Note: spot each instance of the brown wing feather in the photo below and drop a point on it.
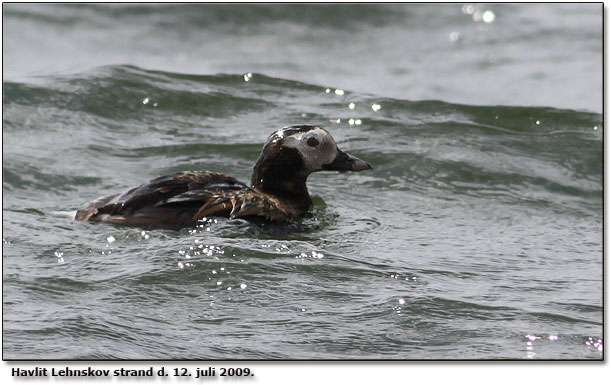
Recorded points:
(246, 203)
(212, 207)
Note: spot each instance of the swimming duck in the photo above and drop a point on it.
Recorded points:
(277, 193)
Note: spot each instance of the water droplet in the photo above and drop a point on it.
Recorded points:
(339, 92)
(532, 337)
(488, 16)
(145, 101)
(375, 107)
(181, 265)
(219, 283)
(243, 286)
(454, 36)
(538, 122)
(110, 239)
(328, 90)
(468, 9)
(351, 106)
(402, 301)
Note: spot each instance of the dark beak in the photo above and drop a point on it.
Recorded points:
(346, 162)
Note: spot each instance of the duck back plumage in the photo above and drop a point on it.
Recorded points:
(182, 199)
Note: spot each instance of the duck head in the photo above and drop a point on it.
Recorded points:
(292, 153)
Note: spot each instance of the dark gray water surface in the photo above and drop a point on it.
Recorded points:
(477, 235)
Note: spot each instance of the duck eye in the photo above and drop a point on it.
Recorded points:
(313, 142)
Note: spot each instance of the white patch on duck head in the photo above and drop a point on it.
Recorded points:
(316, 146)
